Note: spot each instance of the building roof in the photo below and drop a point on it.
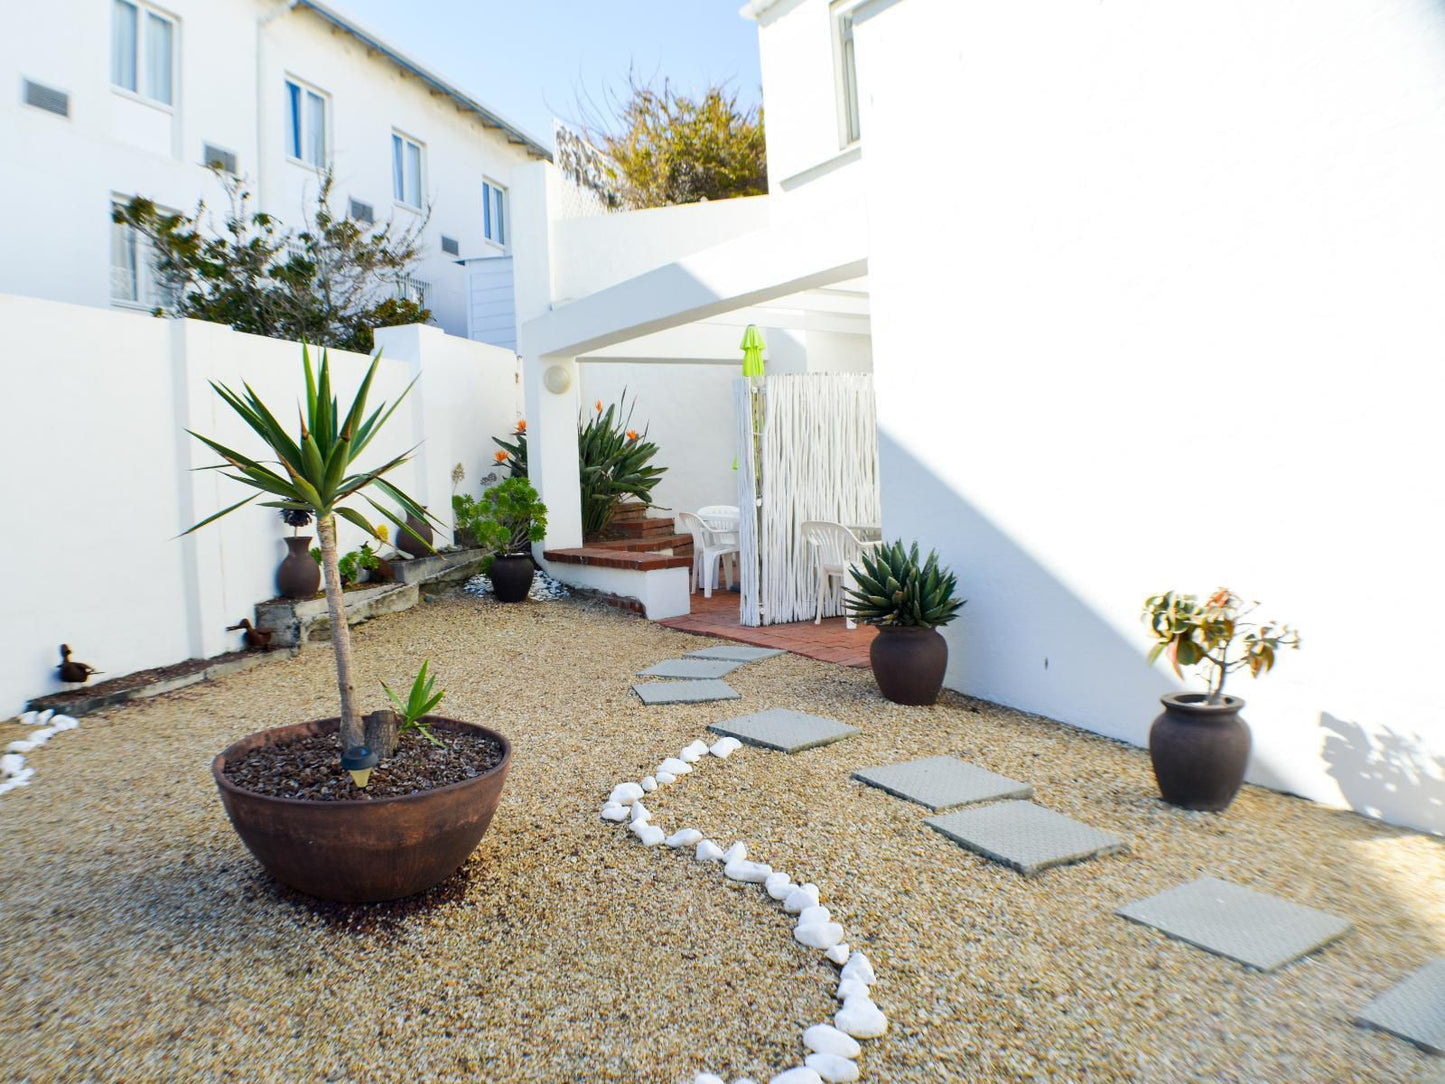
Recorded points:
(489, 118)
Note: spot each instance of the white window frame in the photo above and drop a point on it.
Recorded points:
(298, 136)
(141, 93)
(146, 293)
(845, 71)
(399, 198)
(495, 230)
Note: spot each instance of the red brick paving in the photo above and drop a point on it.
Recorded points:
(831, 641)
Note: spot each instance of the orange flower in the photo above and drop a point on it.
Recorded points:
(599, 406)
(632, 434)
(500, 457)
(1220, 599)
(521, 425)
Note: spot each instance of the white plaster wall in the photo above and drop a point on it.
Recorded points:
(796, 52)
(1164, 312)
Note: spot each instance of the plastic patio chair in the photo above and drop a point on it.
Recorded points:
(710, 548)
(837, 550)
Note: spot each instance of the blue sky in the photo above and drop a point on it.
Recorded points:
(529, 59)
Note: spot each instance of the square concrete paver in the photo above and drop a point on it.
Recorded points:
(686, 692)
(1413, 1009)
(1024, 836)
(941, 782)
(1257, 930)
(785, 730)
(735, 653)
(691, 669)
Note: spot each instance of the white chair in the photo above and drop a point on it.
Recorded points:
(710, 548)
(837, 549)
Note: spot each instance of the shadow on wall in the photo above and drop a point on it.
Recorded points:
(1386, 774)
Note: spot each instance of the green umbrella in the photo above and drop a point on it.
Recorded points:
(752, 345)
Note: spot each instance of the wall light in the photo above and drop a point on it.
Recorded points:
(557, 378)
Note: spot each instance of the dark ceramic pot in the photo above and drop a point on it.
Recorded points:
(512, 576)
(369, 850)
(409, 545)
(298, 575)
(1199, 750)
(908, 663)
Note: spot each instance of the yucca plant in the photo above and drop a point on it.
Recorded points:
(315, 475)
(893, 588)
(419, 703)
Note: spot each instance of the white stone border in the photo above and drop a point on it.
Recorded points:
(14, 772)
(832, 1047)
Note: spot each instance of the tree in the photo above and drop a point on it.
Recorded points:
(331, 284)
(664, 147)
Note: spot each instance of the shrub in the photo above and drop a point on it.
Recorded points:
(507, 520)
(1194, 633)
(894, 589)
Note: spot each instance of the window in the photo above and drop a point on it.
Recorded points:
(847, 74)
(406, 170)
(143, 51)
(134, 281)
(362, 211)
(305, 124)
(494, 213)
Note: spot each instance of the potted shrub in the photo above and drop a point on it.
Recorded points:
(1199, 745)
(907, 601)
(318, 802)
(298, 576)
(505, 522)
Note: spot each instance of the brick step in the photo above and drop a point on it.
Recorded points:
(678, 543)
(603, 557)
(638, 528)
(628, 510)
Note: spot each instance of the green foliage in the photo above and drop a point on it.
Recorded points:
(666, 148)
(331, 283)
(513, 454)
(420, 702)
(894, 589)
(507, 520)
(346, 565)
(1193, 633)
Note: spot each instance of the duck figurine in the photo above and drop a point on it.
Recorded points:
(74, 673)
(255, 639)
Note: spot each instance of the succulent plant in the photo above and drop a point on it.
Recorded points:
(894, 589)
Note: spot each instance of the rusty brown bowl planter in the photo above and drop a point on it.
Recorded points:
(362, 851)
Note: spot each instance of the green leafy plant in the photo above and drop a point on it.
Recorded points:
(507, 519)
(420, 702)
(893, 588)
(315, 471)
(513, 454)
(346, 566)
(1192, 633)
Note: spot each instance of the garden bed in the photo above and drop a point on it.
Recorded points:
(153, 682)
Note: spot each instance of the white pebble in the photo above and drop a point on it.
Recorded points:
(41, 736)
(664, 778)
(819, 935)
(649, 834)
(743, 1080)
(810, 915)
(861, 968)
(614, 812)
(640, 812)
(753, 873)
(800, 897)
(851, 988)
(832, 1068)
(838, 954)
(708, 1078)
(826, 1039)
(737, 852)
(27, 718)
(21, 746)
(778, 885)
(625, 793)
(64, 722)
(800, 1075)
(11, 763)
(688, 756)
(686, 838)
(674, 766)
(860, 1018)
(44, 716)
(708, 851)
(649, 784)
(725, 747)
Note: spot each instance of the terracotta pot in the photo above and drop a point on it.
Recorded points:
(298, 576)
(908, 663)
(369, 850)
(512, 576)
(407, 544)
(1199, 750)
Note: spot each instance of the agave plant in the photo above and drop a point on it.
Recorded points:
(894, 589)
(315, 475)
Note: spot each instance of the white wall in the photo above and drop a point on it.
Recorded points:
(1164, 312)
(101, 399)
(801, 93)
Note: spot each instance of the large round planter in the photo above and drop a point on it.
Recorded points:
(1199, 750)
(367, 850)
(408, 544)
(298, 576)
(512, 577)
(908, 663)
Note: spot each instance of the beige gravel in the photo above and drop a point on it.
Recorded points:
(141, 943)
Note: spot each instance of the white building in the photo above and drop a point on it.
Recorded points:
(112, 98)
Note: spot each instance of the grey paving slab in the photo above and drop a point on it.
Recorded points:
(735, 653)
(943, 782)
(686, 692)
(691, 669)
(1024, 836)
(1257, 930)
(785, 730)
(1413, 1009)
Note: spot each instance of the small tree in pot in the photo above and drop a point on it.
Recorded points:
(907, 601)
(1199, 745)
(505, 522)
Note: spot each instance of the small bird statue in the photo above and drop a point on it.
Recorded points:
(254, 638)
(74, 673)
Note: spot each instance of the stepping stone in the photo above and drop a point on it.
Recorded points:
(941, 782)
(735, 653)
(1024, 836)
(686, 692)
(785, 730)
(1257, 930)
(1413, 1009)
(692, 669)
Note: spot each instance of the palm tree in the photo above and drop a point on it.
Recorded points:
(315, 477)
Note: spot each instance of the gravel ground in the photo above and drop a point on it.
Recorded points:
(141, 942)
